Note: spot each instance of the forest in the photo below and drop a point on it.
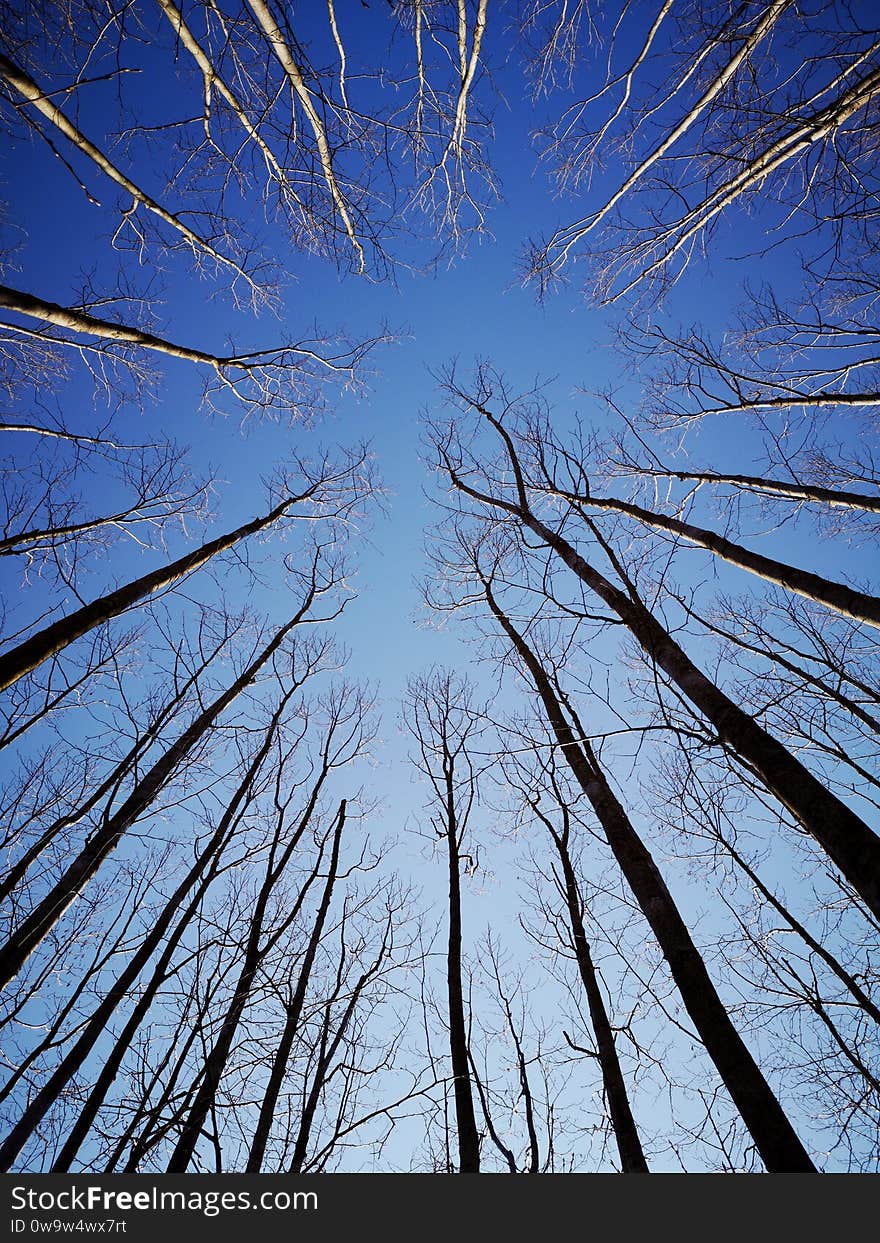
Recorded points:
(439, 499)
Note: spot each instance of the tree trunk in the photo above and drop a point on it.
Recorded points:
(88, 1038)
(774, 1136)
(73, 320)
(466, 1123)
(254, 952)
(54, 638)
(291, 1025)
(111, 1064)
(46, 914)
(326, 1054)
(848, 841)
(629, 1145)
(858, 605)
(812, 493)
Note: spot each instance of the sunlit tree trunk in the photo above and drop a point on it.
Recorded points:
(54, 638)
(858, 605)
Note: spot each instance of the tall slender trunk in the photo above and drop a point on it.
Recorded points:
(629, 1145)
(46, 914)
(858, 605)
(466, 1123)
(845, 837)
(291, 1026)
(122, 1045)
(75, 1057)
(312, 1096)
(254, 952)
(153, 1130)
(836, 497)
(774, 1136)
(31, 653)
(326, 1053)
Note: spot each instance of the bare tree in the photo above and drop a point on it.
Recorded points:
(629, 1144)
(850, 843)
(773, 1134)
(345, 735)
(515, 1062)
(723, 129)
(255, 949)
(327, 488)
(197, 881)
(441, 718)
(318, 582)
